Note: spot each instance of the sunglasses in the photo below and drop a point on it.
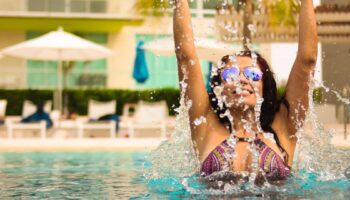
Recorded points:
(251, 73)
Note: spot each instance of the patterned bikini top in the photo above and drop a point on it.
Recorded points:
(269, 161)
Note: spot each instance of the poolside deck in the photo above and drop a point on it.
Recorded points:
(89, 144)
(65, 141)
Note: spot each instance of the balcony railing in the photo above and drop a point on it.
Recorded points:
(332, 27)
(88, 8)
(81, 8)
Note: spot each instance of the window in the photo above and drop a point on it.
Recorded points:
(98, 6)
(36, 5)
(78, 6)
(56, 5)
(75, 6)
(43, 74)
(46, 5)
(93, 6)
(162, 70)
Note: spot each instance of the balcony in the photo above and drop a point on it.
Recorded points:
(333, 26)
(74, 15)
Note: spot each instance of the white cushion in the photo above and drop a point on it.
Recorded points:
(154, 112)
(98, 109)
(29, 108)
(3, 104)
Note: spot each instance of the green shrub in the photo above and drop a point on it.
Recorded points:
(78, 99)
(317, 95)
(281, 92)
(15, 98)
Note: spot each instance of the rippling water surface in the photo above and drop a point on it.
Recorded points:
(120, 176)
(71, 175)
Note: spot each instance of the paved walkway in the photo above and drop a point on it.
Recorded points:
(91, 144)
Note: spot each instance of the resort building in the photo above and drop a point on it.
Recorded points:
(107, 22)
(336, 51)
(111, 23)
(116, 25)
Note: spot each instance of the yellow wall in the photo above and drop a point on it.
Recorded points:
(11, 5)
(12, 70)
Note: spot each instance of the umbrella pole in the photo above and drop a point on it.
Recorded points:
(59, 86)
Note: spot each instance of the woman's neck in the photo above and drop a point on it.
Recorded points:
(244, 122)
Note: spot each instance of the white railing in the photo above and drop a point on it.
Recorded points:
(81, 8)
(331, 27)
(95, 8)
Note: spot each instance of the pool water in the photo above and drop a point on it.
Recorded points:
(110, 175)
(71, 175)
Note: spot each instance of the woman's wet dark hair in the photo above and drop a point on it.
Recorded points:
(270, 105)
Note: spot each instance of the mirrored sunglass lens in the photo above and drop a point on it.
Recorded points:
(252, 73)
(229, 73)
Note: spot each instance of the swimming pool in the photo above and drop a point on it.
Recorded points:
(111, 175)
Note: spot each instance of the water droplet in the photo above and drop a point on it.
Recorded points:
(200, 120)
(218, 90)
(252, 28)
(192, 62)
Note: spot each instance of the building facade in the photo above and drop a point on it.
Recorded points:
(108, 22)
(336, 54)
(112, 23)
(96, 20)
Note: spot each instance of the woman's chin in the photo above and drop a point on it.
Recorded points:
(242, 104)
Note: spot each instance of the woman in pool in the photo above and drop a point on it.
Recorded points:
(233, 132)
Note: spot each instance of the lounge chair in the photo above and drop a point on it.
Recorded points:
(100, 116)
(28, 109)
(149, 116)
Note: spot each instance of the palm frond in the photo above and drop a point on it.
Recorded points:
(151, 7)
(282, 12)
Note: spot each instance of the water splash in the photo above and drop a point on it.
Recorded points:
(200, 120)
(337, 94)
(175, 157)
(318, 155)
(315, 155)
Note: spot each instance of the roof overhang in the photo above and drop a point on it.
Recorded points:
(78, 23)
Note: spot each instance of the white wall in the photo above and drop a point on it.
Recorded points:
(11, 5)
(12, 70)
(282, 59)
(317, 2)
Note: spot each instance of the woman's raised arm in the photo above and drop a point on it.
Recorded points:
(188, 62)
(298, 82)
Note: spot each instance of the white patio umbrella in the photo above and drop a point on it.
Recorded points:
(207, 49)
(60, 46)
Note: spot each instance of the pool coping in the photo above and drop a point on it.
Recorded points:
(79, 145)
(98, 144)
